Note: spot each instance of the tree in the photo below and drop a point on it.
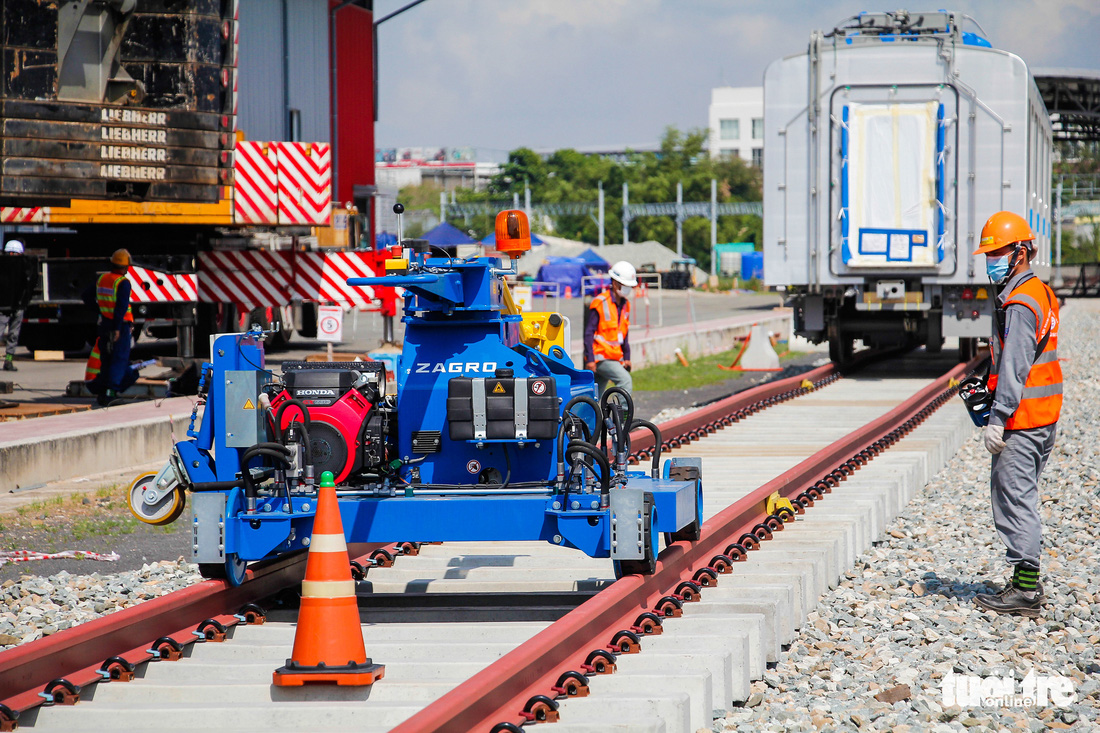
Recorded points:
(570, 176)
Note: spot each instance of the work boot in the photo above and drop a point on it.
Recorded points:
(1012, 600)
(9, 364)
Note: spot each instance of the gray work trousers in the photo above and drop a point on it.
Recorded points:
(609, 373)
(10, 326)
(1014, 490)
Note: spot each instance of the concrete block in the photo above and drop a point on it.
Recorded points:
(696, 686)
(634, 708)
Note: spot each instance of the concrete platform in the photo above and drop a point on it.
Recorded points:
(60, 447)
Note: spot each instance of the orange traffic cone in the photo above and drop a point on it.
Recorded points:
(328, 644)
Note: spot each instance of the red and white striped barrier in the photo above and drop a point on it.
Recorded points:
(305, 183)
(323, 277)
(256, 183)
(248, 278)
(33, 215)
(151, 286)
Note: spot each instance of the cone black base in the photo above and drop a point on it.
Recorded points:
(352, 673)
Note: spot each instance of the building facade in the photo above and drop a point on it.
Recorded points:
(736, 122)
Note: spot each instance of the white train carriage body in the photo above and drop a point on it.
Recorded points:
(887, 148)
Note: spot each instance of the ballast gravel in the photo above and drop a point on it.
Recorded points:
(903, 621)
(33, 606)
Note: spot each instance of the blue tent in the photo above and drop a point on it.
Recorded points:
(595, 262)
(491, 240)
(446, 235)
(568, 271)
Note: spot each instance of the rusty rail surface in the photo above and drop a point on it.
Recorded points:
(56, 667)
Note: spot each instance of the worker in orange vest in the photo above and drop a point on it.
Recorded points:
(1026, 382)
(607, 333)
(108, 371)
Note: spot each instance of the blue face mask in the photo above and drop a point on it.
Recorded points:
(997, 268)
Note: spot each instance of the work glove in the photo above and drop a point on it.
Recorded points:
(994, 438)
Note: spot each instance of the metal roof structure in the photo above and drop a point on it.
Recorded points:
(1072, 97)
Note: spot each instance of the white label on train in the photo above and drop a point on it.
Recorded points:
(455, 367)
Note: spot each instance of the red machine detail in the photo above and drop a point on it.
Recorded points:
(334, 430)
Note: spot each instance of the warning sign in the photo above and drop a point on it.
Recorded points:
(538, 387)
(473, 467)
(499, 389)
(248, 405)
(330, 323)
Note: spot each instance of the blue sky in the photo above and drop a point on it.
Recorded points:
(498, 74)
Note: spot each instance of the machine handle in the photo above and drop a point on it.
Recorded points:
(396, 281)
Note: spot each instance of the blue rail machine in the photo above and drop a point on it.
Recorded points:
(490, 434)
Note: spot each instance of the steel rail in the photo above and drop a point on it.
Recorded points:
(522, 685)
(709, 418)
(59, 665)
(56, 667)
(90, 652)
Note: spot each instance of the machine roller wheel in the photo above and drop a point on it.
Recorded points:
(233, 570)
(164, 511)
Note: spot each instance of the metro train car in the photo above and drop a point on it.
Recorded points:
(889, 143)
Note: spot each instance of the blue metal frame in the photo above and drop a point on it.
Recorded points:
(845, 249)
(455, 326)
(941, 162)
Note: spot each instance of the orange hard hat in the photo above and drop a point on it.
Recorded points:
(1002, 229)
(121, 258)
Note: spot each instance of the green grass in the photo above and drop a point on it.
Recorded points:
(82, 529)
(702, 372)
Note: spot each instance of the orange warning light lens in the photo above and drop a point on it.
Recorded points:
(513, 233)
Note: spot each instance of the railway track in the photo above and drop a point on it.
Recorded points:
(489, 636)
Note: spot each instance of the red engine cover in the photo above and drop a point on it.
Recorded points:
(333, 433)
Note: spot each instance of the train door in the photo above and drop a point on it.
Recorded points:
(894, 162)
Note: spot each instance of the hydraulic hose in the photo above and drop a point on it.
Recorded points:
(588, 401)
(306, 443)
(282, 408)
(567, 422)
(605, 398)
(275, 451)
(622, 437)
(589, 450)
(655, 469)
(224, 485)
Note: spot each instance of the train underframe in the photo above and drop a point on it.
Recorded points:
(904, 317)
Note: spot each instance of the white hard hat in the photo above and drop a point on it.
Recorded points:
(623, 272)
(13, 246)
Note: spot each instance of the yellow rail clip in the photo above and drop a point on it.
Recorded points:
(776, 502)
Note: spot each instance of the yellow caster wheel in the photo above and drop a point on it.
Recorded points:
(151, 509)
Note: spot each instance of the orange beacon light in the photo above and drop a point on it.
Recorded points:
(513, 233)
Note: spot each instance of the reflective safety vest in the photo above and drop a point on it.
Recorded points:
(106, 295)
(611, 332)
(1041, 403)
